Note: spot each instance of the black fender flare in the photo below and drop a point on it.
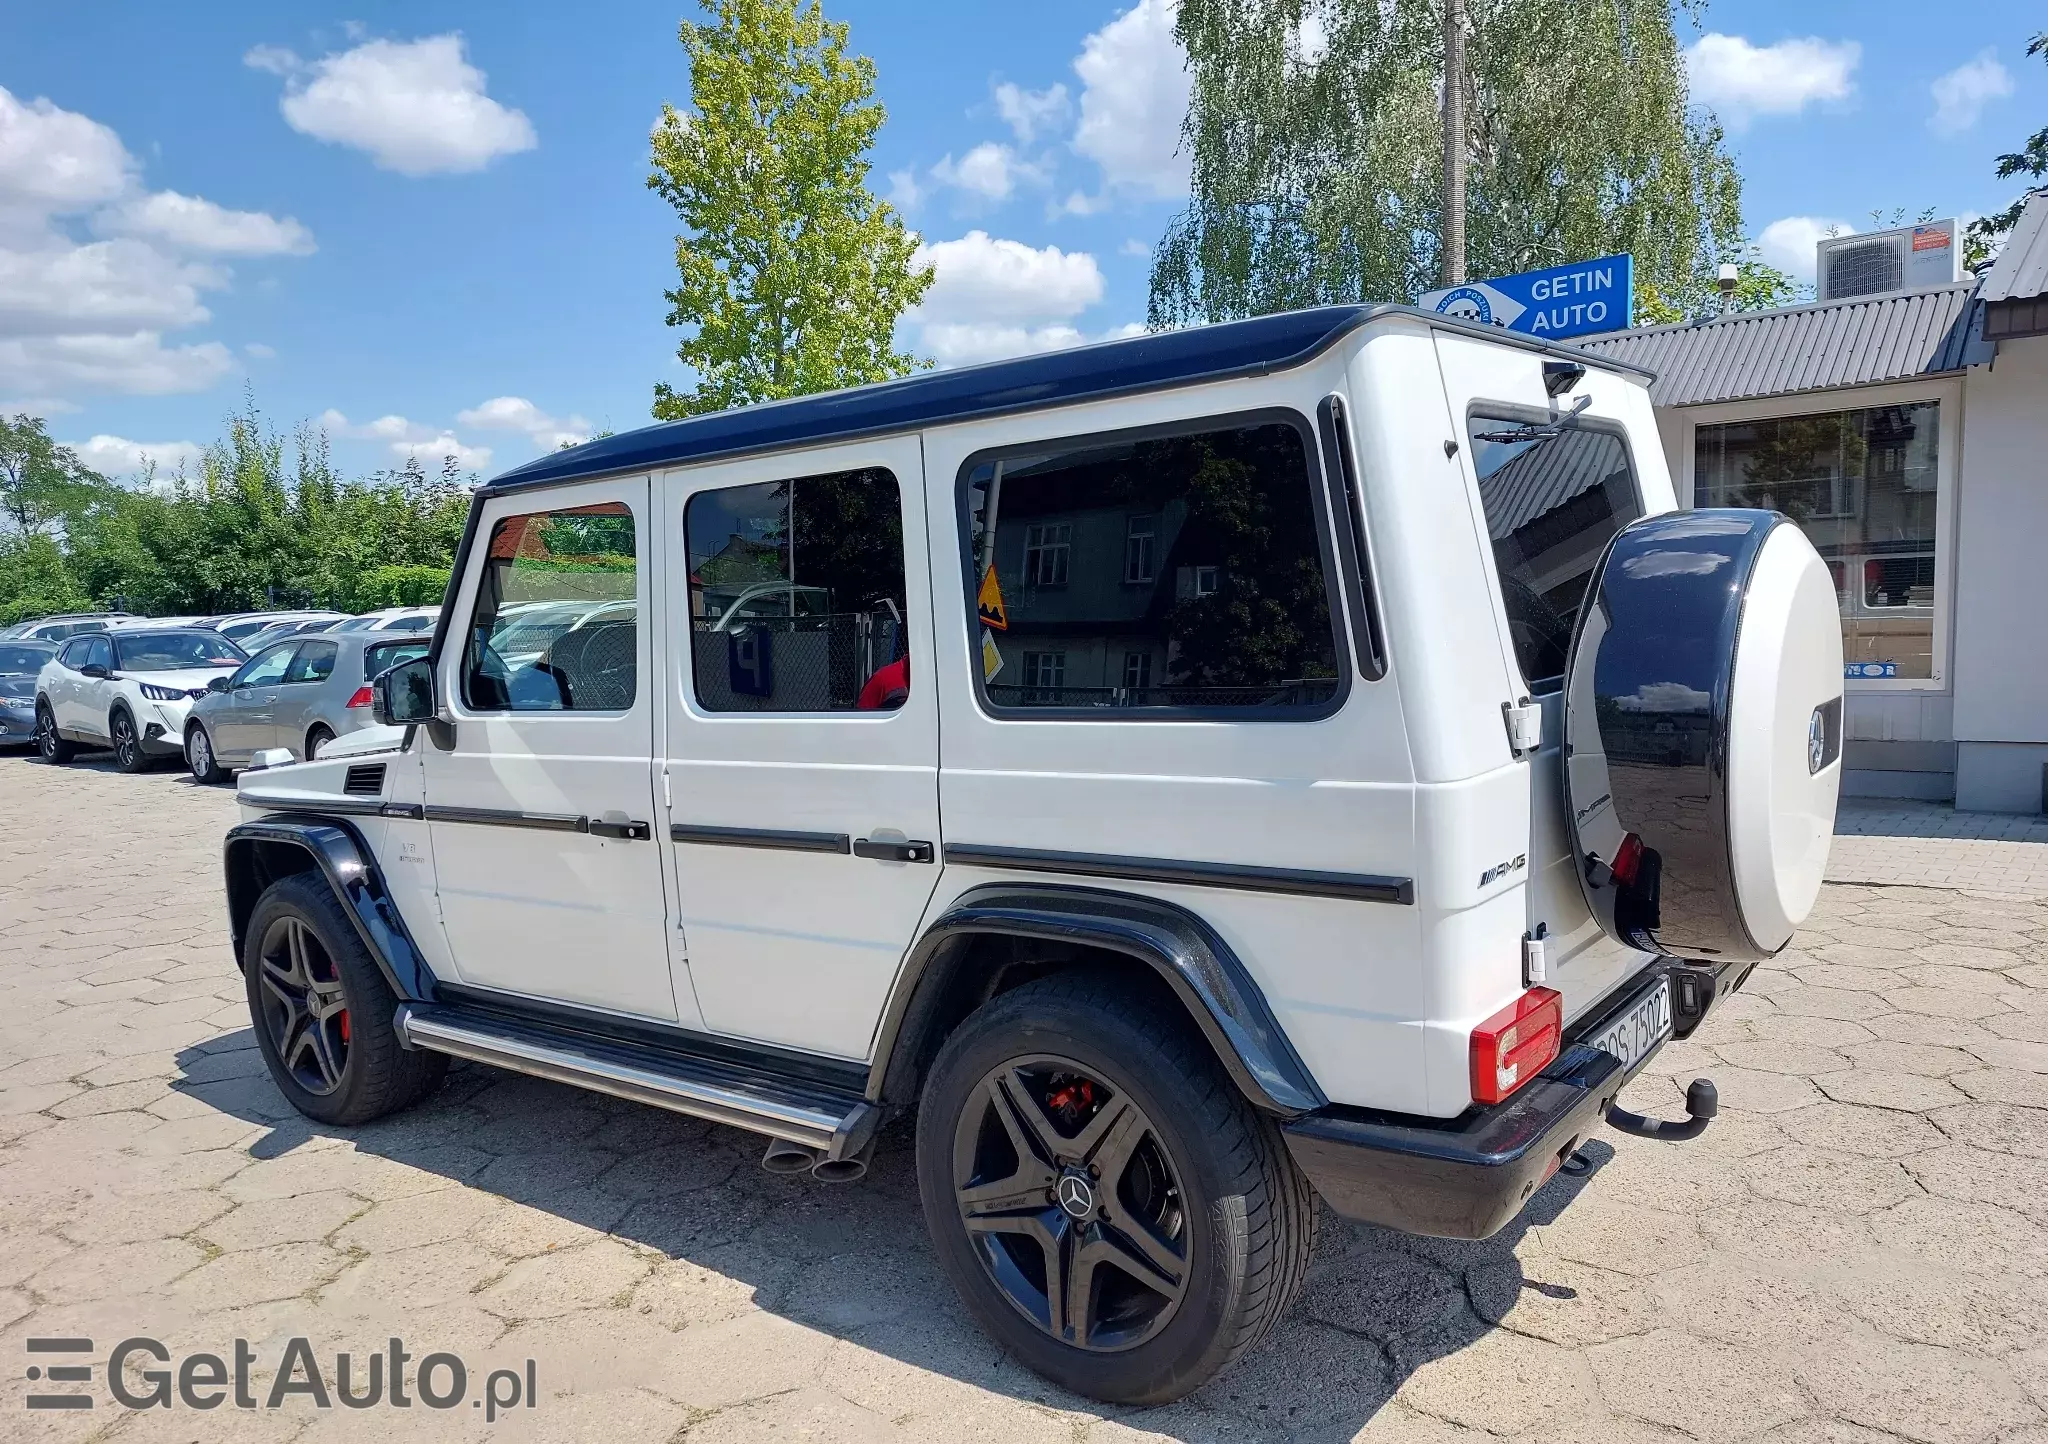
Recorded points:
(1212, 985)
(337, 851)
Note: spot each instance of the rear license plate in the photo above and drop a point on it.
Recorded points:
(1645, 1024)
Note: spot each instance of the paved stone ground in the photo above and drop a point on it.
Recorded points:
(1856, 1251)
(1884, 841)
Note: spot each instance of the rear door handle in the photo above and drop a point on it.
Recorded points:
(912, 851)
(625, 831)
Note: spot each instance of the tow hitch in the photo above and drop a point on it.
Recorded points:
(1702, 1102)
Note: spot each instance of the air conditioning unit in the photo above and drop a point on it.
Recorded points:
(1911, 258)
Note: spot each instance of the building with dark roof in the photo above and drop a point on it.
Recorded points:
(1907, 434)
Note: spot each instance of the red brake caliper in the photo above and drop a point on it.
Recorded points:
(344, 1025)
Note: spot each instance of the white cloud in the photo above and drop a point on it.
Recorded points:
(91, 315)
(193, 224)
(260, 351)
(991, 170)
(1141, 250)
(54, 160)
(117, 456)
(416, 106)
(904, 192)
(1961, 95)
(1134, 96)
(433, 451)
(516, 413)
(1032, 113)
(1741, 81)
(138, 364)
(965, 343)
(1788, 243)
(983, 279)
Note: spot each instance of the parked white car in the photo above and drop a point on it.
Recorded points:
(390, 619)
(1355, 766)
(129, 689)
(240, 628)
(56, 629)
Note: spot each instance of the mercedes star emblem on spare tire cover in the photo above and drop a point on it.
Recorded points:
(1703, 733)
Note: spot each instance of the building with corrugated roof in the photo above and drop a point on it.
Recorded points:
(1907, 434)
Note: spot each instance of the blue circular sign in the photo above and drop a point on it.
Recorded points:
(1467, 302)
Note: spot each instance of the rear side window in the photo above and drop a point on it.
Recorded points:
(386, 655)
(579, 563)
(1552, 503)
(1163, 573)
(797, 595)
(315, 662)
(73, 655)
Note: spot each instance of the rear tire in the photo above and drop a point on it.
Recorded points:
(1191, 1182)
(199, 756)
(317, 737)
(128, 753)
(50, 746)
(323, 1011)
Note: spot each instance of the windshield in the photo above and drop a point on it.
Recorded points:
(176, 651)
(18, 658)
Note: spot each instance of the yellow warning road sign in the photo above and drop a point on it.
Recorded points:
(989, 604)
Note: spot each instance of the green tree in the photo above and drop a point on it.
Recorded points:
(792, 273)
(2030, 160)
(40, 481)
(1759, 286)
(1315, 135)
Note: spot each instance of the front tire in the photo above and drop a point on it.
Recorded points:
(200, 759)
(128, 753)
(51, 746)
(317, 737)
(1109, 1207)
(323, 1011)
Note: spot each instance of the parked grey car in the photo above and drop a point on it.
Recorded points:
(299, 693)
(20, 662)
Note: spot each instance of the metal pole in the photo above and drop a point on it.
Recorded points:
(1454, 143)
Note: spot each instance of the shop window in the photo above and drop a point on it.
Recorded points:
(797, 595)
(1861, 484)
(1179, 570)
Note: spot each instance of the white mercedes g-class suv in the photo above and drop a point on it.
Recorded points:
(1312, 755)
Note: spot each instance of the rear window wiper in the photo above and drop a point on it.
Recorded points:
(1537, 430)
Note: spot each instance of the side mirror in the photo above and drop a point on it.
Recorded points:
(219, 684)
(94, 669)
(404, 695)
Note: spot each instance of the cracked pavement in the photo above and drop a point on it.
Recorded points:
(1857, 1250)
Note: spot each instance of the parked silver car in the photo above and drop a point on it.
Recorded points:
(299, 693)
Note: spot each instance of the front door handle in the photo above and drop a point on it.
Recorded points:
(912, 851)
(624, 831)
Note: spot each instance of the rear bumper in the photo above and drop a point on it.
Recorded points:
(1463, 1178)
(1466, 1177)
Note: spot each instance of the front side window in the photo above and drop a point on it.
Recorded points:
(578, 563)
(1184, 571)
(1861, 484)
(1552, 503)
(797, 595)
(73, 655)
(267, 668)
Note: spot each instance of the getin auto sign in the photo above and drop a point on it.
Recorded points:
(1574, 300)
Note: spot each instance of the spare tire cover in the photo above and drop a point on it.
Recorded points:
(1703, 733)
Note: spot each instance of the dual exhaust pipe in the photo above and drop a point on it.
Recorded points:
(786, 1157)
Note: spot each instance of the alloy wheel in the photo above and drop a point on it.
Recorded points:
(46, 734)
(199, 754)
(125, 745)
(1072, 1202)
(304, 1009)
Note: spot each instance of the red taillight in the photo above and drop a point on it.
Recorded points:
(1515, 1044)
(362, 698)
(1628, 858)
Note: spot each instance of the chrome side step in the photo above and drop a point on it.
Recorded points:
(835, 1124)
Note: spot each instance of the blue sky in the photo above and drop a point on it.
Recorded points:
(424, 226)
